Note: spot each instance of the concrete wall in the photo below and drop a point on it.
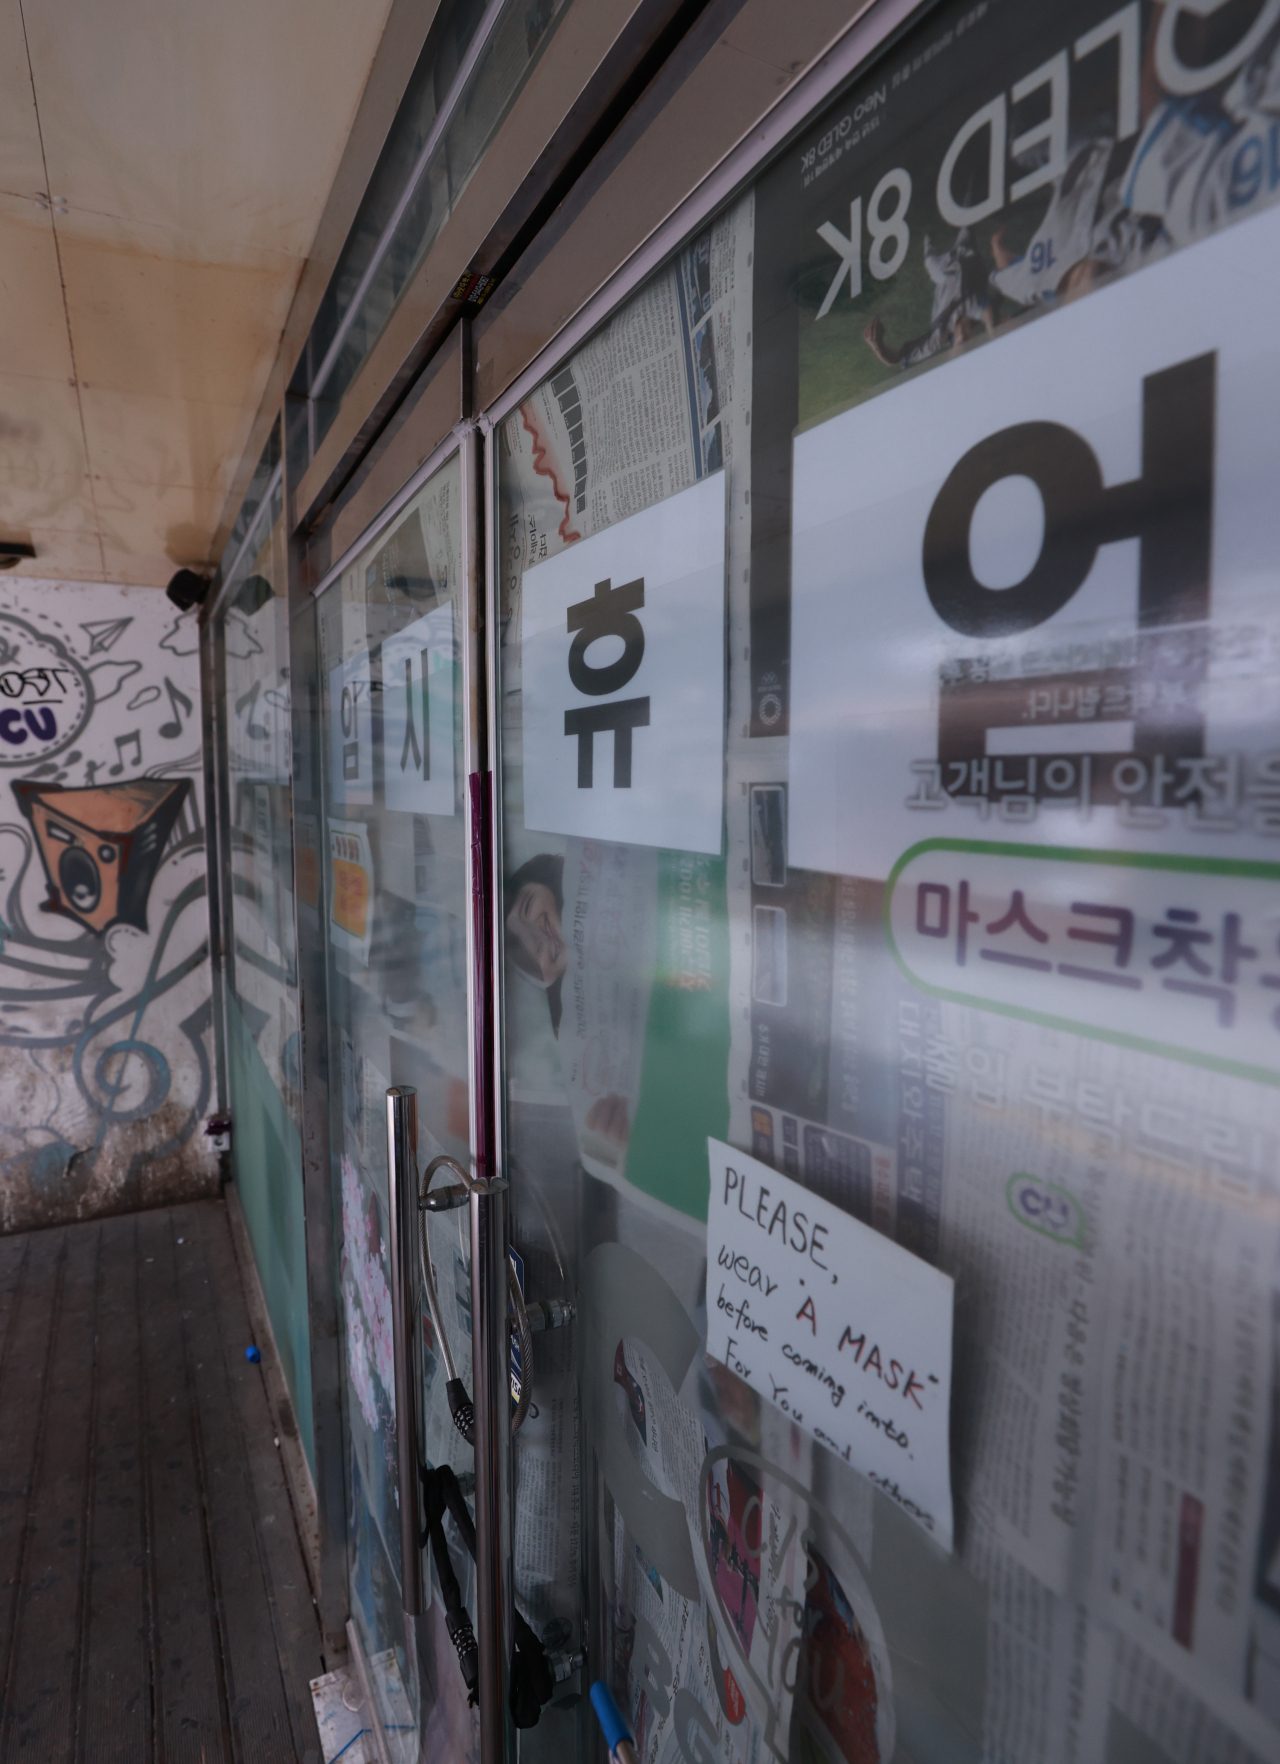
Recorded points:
(106, 1044)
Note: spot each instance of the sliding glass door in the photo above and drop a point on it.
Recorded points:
(392, 845)
(881, 677)
(260, 949)
(886, 629)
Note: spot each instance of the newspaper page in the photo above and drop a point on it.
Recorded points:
(733, 1652)
(610, 901)
(547, 1524)
(649, 405)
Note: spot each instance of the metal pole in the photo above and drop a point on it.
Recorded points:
(491, 1375)
(492, 1439)
(402, 1196)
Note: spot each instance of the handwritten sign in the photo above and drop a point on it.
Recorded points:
(843, 1330)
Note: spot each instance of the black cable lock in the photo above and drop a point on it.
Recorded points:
(532, 1680)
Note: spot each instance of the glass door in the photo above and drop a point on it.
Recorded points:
(887, 643)
(392, 649)
(260, 966)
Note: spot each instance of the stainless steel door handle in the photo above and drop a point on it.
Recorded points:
(402, 1194)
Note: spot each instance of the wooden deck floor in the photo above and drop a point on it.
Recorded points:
(154, 1601)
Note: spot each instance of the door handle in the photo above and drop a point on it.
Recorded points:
(409, 1199)
(402, 1196)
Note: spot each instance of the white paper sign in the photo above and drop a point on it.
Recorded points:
(983, 563)
(351, 731)
(417, 715)
(623, 678)
(838, 1326)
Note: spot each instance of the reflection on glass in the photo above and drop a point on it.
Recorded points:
(985, 959)
(393, 842)
(261, 491)
(471, 71)
(261, 978)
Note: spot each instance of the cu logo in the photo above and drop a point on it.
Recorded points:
(1168, 508)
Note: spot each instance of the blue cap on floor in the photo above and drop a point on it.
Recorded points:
(610, 1716)
(251, 1353)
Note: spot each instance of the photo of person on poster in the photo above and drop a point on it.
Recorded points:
(963, 297)
(539, 955)
(1174, 167)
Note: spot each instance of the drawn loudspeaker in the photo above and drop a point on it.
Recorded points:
(101, 848)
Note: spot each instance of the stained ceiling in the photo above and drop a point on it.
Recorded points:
(163, 168)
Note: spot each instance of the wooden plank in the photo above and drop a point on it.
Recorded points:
(295, 1621)
(40, 1704)
(260, 1725)
(22, 1391)
(114, 1693)
(190, 1702)
(13, 1256)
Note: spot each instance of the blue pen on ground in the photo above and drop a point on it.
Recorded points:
(622, 1748)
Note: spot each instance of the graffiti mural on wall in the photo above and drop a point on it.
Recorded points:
(105, 1010)
(101, 847)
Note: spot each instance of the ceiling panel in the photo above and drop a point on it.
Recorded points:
(138, 438)
(146, 274)
(33, 326)
(221, 120)
(42, 460)
(21, 167)
(173, 329)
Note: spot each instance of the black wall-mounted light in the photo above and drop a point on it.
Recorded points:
(187, 589)
(12, 551)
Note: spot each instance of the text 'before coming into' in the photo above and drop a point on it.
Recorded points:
(843, 1330)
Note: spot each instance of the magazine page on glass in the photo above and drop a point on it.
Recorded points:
(986, 959)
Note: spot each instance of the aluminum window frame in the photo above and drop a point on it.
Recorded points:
(452, 443)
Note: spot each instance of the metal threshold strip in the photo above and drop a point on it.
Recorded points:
(443, 118)
(366, 1685)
